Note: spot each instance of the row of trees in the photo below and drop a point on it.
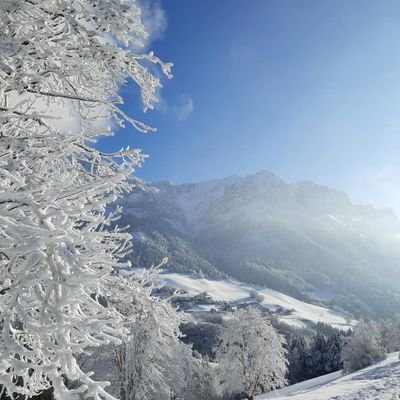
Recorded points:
(315, 356)
(153, 363)
(248, 355)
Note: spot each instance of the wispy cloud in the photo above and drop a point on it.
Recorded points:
(161, 104)
(154, 18)
(183, 107)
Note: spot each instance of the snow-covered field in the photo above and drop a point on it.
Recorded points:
(377, 382)
(234, 291)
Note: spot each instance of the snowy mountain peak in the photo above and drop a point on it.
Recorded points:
(265, 177)
(301, 238)
(257, 196)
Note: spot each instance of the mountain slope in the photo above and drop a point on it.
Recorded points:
(379, 381)
(302, 239)
(285, 308)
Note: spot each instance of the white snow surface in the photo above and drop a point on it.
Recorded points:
(234, 291)
(377, 382)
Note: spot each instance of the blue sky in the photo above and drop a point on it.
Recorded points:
(305, 89)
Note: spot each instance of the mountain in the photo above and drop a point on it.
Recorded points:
(379, 381)
(302, 239)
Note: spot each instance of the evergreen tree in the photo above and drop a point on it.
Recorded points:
(315, 361)
(332, 355)
(297, 353)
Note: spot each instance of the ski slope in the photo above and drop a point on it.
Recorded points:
(377, 382)
(298, 313)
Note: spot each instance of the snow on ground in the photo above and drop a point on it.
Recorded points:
(234, 291)
(338, 221)
(377, 382)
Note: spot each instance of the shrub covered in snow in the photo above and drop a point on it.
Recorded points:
(256, 296)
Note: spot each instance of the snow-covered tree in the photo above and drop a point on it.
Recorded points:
(332, 357)
(251, 355)
(151, 361)
(297, 355)
(390, 332)
(202, 381)
(148, 360)
(61, 65)
(362, 348)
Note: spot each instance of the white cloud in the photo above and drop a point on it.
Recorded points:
(162, 104)
(154, 19)
(183, 107)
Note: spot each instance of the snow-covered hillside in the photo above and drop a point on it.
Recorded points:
(377, 382)
(293, 312)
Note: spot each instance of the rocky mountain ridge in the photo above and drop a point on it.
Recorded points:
(303, 239)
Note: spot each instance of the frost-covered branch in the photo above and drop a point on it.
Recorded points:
(63, 58)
